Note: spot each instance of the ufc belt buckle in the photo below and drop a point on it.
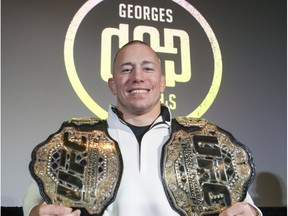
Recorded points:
(79, 166)
(204, 168)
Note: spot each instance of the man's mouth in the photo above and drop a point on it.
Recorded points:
(138, 91)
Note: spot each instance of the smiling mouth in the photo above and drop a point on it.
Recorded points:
(138, 91)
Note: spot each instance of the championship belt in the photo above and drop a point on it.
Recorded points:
(204, 168)
(79, 166)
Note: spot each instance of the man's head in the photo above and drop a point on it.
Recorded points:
(137, 79)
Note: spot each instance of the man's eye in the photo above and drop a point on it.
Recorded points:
(126, 70)
(148, 69)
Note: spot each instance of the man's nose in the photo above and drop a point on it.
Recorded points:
(137, 75)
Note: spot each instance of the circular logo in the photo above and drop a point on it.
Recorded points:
(93, 106)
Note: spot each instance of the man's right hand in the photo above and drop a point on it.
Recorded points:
(45, 209)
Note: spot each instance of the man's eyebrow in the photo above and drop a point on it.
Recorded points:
(142, 63)
(148, 62)
(126, 63)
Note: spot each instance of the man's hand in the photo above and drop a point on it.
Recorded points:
(45, 209)
(240, 209)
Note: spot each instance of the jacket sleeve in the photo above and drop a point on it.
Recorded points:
(32, 198)
(250, 201)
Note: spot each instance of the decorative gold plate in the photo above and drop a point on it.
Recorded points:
(204, 168)
(79, 166)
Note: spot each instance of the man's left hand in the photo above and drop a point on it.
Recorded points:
(240, 209)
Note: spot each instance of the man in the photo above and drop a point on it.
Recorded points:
(141, 126)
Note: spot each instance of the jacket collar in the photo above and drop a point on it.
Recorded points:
(165, 116)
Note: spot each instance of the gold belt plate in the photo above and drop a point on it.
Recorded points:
(79, 166)
(204, 168)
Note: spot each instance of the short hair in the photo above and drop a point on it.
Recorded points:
(127, 44)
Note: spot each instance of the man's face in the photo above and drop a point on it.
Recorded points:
(137, 80)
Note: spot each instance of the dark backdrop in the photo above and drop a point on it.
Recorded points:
(37, 96)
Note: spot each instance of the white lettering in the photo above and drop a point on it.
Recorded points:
(169, 13)
(138, 12)
(162, 15)
(130, 11)
(145, 13)
(154, 14)
(122, 10)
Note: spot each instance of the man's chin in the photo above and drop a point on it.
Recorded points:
(139, 109)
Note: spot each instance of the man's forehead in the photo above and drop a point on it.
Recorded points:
(138, 46)
(139, 50)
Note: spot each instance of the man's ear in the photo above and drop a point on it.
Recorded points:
(112, 86)
(162, 83)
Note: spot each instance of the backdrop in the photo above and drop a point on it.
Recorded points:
(224, 61)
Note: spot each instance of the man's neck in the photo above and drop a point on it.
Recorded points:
(142, 119)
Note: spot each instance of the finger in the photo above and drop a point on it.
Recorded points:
(75, 213)
(49, 209)
(240, 208)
